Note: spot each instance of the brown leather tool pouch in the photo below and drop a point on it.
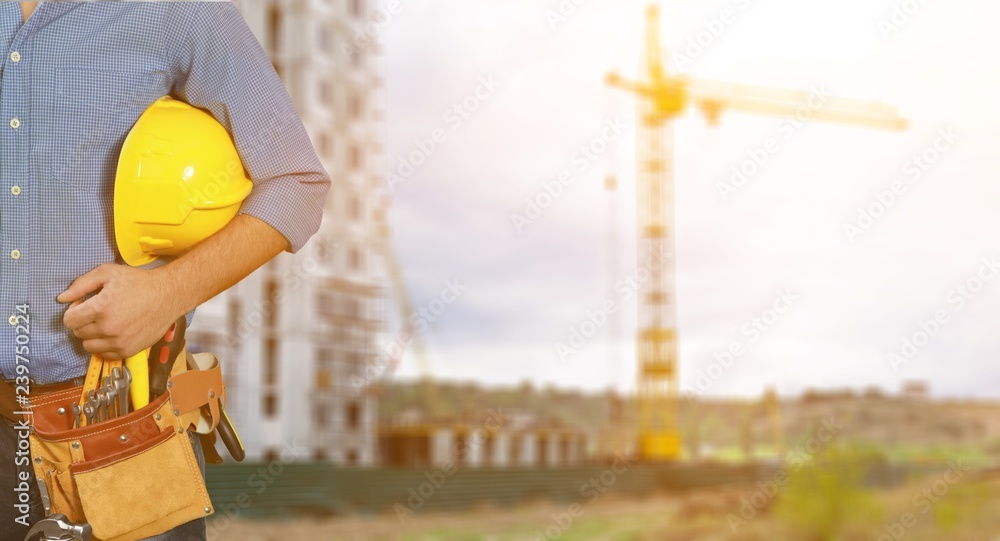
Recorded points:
(132, 476)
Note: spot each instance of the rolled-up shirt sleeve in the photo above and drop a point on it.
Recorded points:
(218, 65)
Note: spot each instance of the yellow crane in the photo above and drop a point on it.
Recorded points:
(661, 98)
(772, 404)
(408, 333)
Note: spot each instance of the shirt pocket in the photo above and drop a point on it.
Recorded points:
(96, 110)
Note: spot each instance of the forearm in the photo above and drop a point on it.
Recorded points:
(219, 262)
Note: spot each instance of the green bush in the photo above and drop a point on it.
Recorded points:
(826, 497)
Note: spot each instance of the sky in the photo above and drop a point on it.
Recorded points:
(527, 78)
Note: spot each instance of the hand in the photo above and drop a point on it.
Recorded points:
(130, 311)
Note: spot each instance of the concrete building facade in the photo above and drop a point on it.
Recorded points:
(481, 445)
(293, 336)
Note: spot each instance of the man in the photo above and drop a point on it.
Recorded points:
(74, 78)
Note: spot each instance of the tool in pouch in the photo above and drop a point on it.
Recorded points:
(162, 357)
(99, 471)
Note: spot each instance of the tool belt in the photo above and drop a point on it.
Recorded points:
(135, 475)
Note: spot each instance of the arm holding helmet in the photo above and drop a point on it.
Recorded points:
(117, 322)
(222, 69)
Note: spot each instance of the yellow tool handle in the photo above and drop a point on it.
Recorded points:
(93, 379)
(138, 365)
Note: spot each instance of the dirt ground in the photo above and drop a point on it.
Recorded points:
(607, 519)
(966, 511)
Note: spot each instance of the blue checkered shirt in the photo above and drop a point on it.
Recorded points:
(73, 80)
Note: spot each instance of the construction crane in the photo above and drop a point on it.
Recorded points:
(661, 98)
(772, 405)
(408, 333)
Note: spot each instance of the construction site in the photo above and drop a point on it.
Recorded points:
(359, 451)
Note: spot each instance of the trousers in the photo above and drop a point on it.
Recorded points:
(11, 517)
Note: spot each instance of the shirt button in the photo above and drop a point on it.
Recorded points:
(14, 123)
(15, 56)
(16, 190)
(15, 253)
(12, 320)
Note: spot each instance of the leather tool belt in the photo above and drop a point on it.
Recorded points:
(135, 475)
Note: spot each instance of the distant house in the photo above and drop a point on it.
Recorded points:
(915, 390)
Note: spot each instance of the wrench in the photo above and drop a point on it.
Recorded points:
(77, 412)
(112, 400)
(120, 382)
(128, 387)
(92, 402)
(103, 401)
(109, 409)
(90, 411)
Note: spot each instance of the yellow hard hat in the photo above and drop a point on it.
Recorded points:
(179, 181)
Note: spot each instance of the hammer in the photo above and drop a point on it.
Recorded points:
(58, 528)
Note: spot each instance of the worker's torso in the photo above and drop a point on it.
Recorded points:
(73, 80)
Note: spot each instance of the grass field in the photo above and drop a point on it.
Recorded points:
(914, 454)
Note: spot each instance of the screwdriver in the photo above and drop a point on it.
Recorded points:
(162, 356)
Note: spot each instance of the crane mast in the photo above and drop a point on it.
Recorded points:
(661, 98)
(656, 341)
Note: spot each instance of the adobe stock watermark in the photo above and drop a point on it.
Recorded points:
(452, 119)
(914, 168)
(419, 321)
(593, 489)
(758, 156)
(585, 156)
(956, 299)
(794, 461)
(495, 420)
(260, 480)
(753, 329)
(289, 282)
(562, 12)
(714, 27)
(378, 21)
(207, 196)
(899, 15)
(924, 500)
(594, 319)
